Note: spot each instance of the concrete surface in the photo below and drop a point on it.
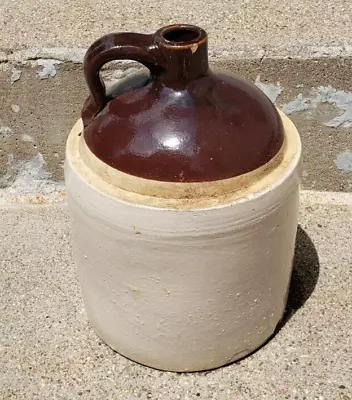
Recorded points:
(300, 54)
(37, 114)
(49, 351)
(274, 27)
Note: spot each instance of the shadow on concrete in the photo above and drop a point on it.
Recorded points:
(305, 275)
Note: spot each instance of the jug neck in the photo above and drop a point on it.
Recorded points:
(184, 49)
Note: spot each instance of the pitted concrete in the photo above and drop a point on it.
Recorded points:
(37, 115)
(269, 27)
(49, 351)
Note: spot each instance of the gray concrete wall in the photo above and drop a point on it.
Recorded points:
(37, 113)
(271, 27)
(298, 52)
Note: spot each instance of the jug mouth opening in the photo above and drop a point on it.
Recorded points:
(181, 35)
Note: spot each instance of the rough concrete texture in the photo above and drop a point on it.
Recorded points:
(49, 351)
(264, 26)
(47, 348)
(37, 114)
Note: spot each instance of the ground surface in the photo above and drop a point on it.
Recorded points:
(232, 24)
(317, 95)
(48, 351)
(300, 54)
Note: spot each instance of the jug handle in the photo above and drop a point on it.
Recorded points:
(115, 46)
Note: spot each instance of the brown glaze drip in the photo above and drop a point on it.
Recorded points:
(181, 123)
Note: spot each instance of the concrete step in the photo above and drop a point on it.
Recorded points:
(271, 27)
(303, 61)
(37, 114)
(49, 351)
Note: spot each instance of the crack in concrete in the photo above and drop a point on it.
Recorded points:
(342, 100)
(270, 89)
(16, 75)
(48, 68)
(344, 161)
(29, 182)
(296, 50)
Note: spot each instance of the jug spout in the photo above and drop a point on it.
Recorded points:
(184, 53)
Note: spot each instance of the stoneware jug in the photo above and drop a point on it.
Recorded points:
(183, 189)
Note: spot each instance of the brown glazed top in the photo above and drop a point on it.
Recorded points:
(182, 122)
